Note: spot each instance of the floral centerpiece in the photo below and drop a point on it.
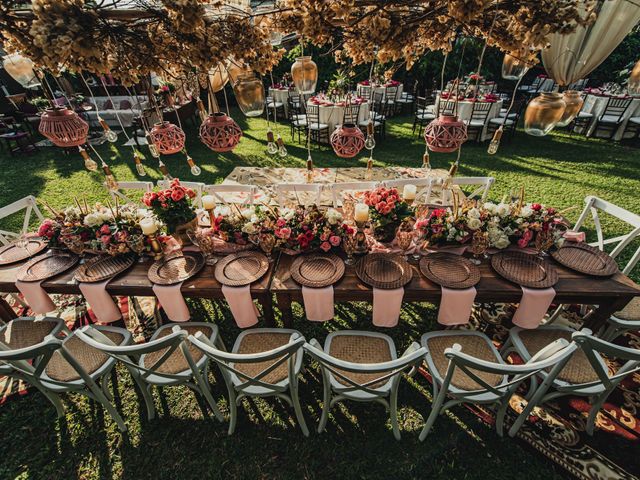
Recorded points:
(116, 231)
(174, 208)
(66, 229)
(387, 211)
(443, 227)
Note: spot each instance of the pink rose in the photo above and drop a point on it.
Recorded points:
(536, 206)
(324, 237)
(523, 242)
(325, 246)
(334, 240)
(386, 210)
(380, 206)
(436, 229)
(105, 239)
(105, 230)
(177, 195)
(281, 222)
(284, 233)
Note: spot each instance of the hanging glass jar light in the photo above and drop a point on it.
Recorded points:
(445, 134)
(573, 103)
(543, 113)
(347, 140)
(220, 132)
(21, 70)
(513, 68)
(633, 85)
(235, 70)
(249, 93)
(167, 137)
(218, 77)
(304, 72)
(63, 127)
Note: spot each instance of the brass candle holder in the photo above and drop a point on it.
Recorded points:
(361, 239)
(156, 248)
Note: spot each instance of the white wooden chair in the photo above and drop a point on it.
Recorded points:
(629, 317)
(29, 205)
(483, 185)
(338, 190)
(424, 186)
(242, 194)
(467, 368)
(291, 192)
(583, 373)
(139, 187)
(362, 366)
(195, 186)
(264, 362)
(167, 359)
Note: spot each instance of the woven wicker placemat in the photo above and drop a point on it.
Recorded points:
(176, 269)
(383, 270)
(12, 253)
(525, 269)
(46, 266)
(449, 270)
(317, 270)
(102, 268)
(242, 268)
(584, 258)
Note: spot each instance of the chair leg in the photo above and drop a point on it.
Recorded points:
(202, 381)
(500, 414)
(233, 410)
(326, 406)
(435, 411)
(298, 409)
(54, 398)
(393, 413)
(535, 399)
(593, 413)
(100, 397)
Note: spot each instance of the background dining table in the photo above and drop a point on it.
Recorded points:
(596, 105)
(465, 109)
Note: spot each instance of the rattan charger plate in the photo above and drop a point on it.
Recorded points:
(176, 269)
(103, 268)
(317, 270)
(449, 270)
(46, 266)
(525, 269)
(12, 253)
(382, 270)
(242, 268)
(584, 258)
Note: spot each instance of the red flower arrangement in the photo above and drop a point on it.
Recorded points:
(387, 211)
(172, 205)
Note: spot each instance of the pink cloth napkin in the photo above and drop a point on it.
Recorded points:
(172, 302)
(455, 306)
(386, 306)
(241, 305)
(575, 236)
(102, 304)
(533, 306)
(318, 303)
(36, 297)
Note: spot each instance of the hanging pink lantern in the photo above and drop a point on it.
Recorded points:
(347, 140)
(167, 137)
(63, 127)
(445, 134)
(220, 132)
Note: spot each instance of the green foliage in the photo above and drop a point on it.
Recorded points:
(624, 56)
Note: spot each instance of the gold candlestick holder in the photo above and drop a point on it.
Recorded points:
(156, 248)
(361, 239)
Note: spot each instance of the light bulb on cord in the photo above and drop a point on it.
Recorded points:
(165, 171)
(195, 169)
(309, 169)
(426, 161)
(272, 148)
(282, 151)
(201, 110)
(495, 142)
(152, 147)
(110, 180)
(109, 134)
(137, 158)
(89, 163)
(370, 142)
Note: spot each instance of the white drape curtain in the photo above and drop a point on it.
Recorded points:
(572, 57)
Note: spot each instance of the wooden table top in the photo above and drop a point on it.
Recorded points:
(571, 287)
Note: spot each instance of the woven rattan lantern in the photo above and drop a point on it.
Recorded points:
(167, 137)
(304, 72)
(513, 68)
(633, 86)
(347, 140)
(220, 132)
(63, 127)
(573, 102)
(445, 134)
(249, 93)
(543, 113)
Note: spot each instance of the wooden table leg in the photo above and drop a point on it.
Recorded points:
(266, 301)
(6, 312)
(595, 319)
(284, 304)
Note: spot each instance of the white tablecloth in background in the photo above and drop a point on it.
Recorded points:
(332, 115)
(596, 104)
(465, 109)
(280, 95)
(379, 89)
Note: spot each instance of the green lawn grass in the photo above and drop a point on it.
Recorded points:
(558, 170)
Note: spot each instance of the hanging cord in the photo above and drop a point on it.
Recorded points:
(455, 105)
(484, 49)
(52, 98)
(275, 111)
(444, 64)
(116, 112)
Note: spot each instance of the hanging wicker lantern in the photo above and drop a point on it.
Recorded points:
(633, 86)
(573, 102)
(218, 77)
(304, 72)
(63, 127)
(347, 140)
(513, 68)
(445, 134)
(543, 113)
(21, 70)
(220, 132)
(167, 137)
(249, 93)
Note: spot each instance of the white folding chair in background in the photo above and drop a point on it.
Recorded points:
(29, 205)
(139, 187)
(195, 186)
(338, 190)
(240, 194)
(299, 193)
(483, 185)
(423, 186)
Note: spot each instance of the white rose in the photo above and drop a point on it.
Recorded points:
(223, 210)
(526, 211)
(249, 228)
(474, 223)
(247, 213)
(502, 242)
(91, 220)
(333, 216)
(490, 207)
(287, 213)
(473, 213)
(502, 210)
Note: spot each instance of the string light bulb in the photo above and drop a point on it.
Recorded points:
(195, 169)
(110, 180)
(426, 161)
(370, 142)
(165, 171)
(109, 134)
(282, 151)
(272, 148)
(201, 110)
(495, 142)
(89, 163)
(137, 158)
(152, 146)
